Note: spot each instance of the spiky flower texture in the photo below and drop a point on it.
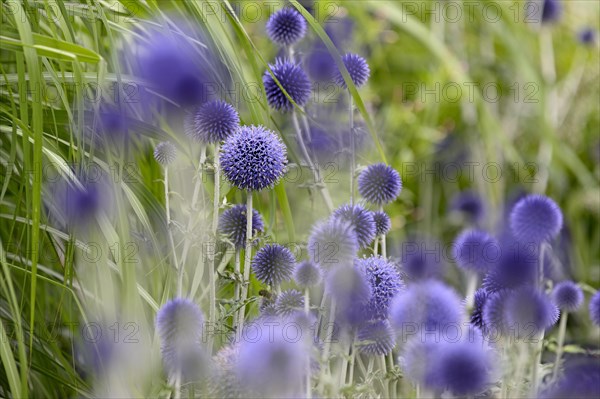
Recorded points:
(289, 302)
(357, 68)
(292, 79)
(165, 153)
(232, 223)
(568, 296)
(286, 27)
(307, 274)
(528, 310)
(361, 221)
(536, 218)
(273, 264)
(376, 338)
(594, 308)
(253, 158)
(475, 250)
(385, 284)
(379, 184)
(212, 122)
(383, 224)
(332, 242)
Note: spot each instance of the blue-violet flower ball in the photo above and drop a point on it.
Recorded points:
(253, 158)
(165, 153)
(476, 250)
(361, 221)
(469, 203)
(494, 313)
(293, 79)
(307, 274)
(535, 218)
(212, 122)
(594, 308)
(273, 264)
(376, 338)
(587, 36)
(333, 242)
(551, 10)
(479, 300)
(385, 284)
(517, 266)
(383, 224)
(421, 259)
(379, 184)
(357, 68)
(289, 302)
(568, 296)
(351, 291)
(286, 26)
(528, 309)
(232, 223)
(579, 380)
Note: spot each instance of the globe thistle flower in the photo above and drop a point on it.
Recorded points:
(475, 250)
(417, 359)
(333, 242)
(212, 122)
(587, 36)
(385, 283)
(494, 313)
(528, 308)
(568, 296)
(383, 224)
(376, 338)
(293, 79)
(517, 266)
(165, 153)
(361, 221)
(273, 264)
(225, 383)
(535, 218)
(179, 326)
(470, 204)
(289, 302)
(551, 10)
(307, 274)
(286, 27)
(579, 380)
(427, 305)
(253, 158)
(480, 298)
(273, 365)
(232, 223)
(421, 259)
(319, 64)
(113, 124)
(594, 308)
(465, 369)
(351, 292)
(357, 68)
(379, 184)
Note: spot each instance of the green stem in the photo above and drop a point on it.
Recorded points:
(212, 280)
(562, 328)
(247, 259)
(170, 233)
(352, 146)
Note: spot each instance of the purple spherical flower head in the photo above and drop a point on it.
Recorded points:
(594, 308)
(476, 250)
(480, 298)
(165, 153)
(420, 259)
(232, 223)
(357, 68)
(361, 221)
(212, 122)
(307, 274)
(179, 326)
(535, 219)
(587, 36)
(528, 309)
(273, 264)
(379, 184)
(272, 365)
(224, 382)
(376, 338)
(351, 291)
(385, 283)
(319, 64)
(253, 158)
(293, 79)
(494, 313)
(427, 305)
(383, 224)
(333, 242)
(112, 122)
(289, 302)
(469, 203)
(581, 380)
(418, 359)
(517, 265)
(465, 369)
(286, 26)
(568, 296)
(551, 10)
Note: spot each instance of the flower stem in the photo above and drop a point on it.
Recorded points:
(247, 259)
(236, 289)
(562, 328)
(352, 146)
(383, 243)
(539, 348)
(178, 267)
(212, 281)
